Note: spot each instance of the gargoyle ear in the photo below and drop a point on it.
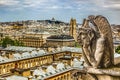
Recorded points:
(91, 17)
(85, 23)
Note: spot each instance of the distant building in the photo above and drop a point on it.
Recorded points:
(31, 41)
(33, 63)
(116, 32)
(38, 63)
(60, 40)
(34, 39)
(18, 26)
(73, 26)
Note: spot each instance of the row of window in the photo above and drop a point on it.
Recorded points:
(5, 68)
(63, 77)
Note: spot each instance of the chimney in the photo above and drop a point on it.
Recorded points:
(36, 76)
(30, 78)
(31, 72)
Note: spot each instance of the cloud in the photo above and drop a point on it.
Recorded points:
(100, 4)
(8, 2)
(21, 4)
(61, 4)
(111, 4)
(67, 8)
(34, 3)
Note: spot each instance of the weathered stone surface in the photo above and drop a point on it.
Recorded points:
(117, 61)
(96, 42)
(102, 74)
(87, 77)
(97, 45)
(109, 71)
(107, 77)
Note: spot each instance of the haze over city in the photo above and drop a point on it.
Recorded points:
(17, 10)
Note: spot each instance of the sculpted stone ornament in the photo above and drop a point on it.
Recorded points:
(97, 42)
(95, 37)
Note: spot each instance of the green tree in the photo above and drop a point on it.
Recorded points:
(117, 50)
(18, 43)
(8, 41)
(77, 45)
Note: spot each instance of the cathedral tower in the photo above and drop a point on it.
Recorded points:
(72, 31)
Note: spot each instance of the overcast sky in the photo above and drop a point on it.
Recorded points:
(16, 10)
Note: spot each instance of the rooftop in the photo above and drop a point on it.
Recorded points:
(28, 52)
(15, 77)
(60, 37)
(72, 49)
(50, 71)
(19, 48)
(38, 33)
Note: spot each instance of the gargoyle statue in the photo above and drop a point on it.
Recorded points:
(95, 37)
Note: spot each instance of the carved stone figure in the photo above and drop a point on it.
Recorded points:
(96, 41)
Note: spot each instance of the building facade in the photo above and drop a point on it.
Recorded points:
(22, 63)
(60, 40)
(73, 26)
(32, 41)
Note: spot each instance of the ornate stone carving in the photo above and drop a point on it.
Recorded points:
(96, 42)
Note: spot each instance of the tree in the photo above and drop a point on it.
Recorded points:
(77, 45)
(18, 43)
(117, 50)
(8, 41)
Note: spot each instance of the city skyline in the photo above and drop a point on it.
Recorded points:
(63, 10)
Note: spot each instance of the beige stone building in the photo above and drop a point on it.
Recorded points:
(22, 61)
(31, 41)
(73, 26)
(60, 40)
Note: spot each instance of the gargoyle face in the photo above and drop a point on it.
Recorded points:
(82, 36)
(85, 36)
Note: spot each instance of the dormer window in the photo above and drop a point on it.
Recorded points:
(35, 54)
(46, 74)
(50, 73)
(42, 76)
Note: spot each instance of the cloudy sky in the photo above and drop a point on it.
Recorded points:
(16, 10)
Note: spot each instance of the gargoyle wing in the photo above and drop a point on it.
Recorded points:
(103, 27)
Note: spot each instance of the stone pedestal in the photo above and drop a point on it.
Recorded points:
(102, 74)
(100, 77)
(108, 77)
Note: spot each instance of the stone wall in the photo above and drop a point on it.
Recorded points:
(100, 77)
